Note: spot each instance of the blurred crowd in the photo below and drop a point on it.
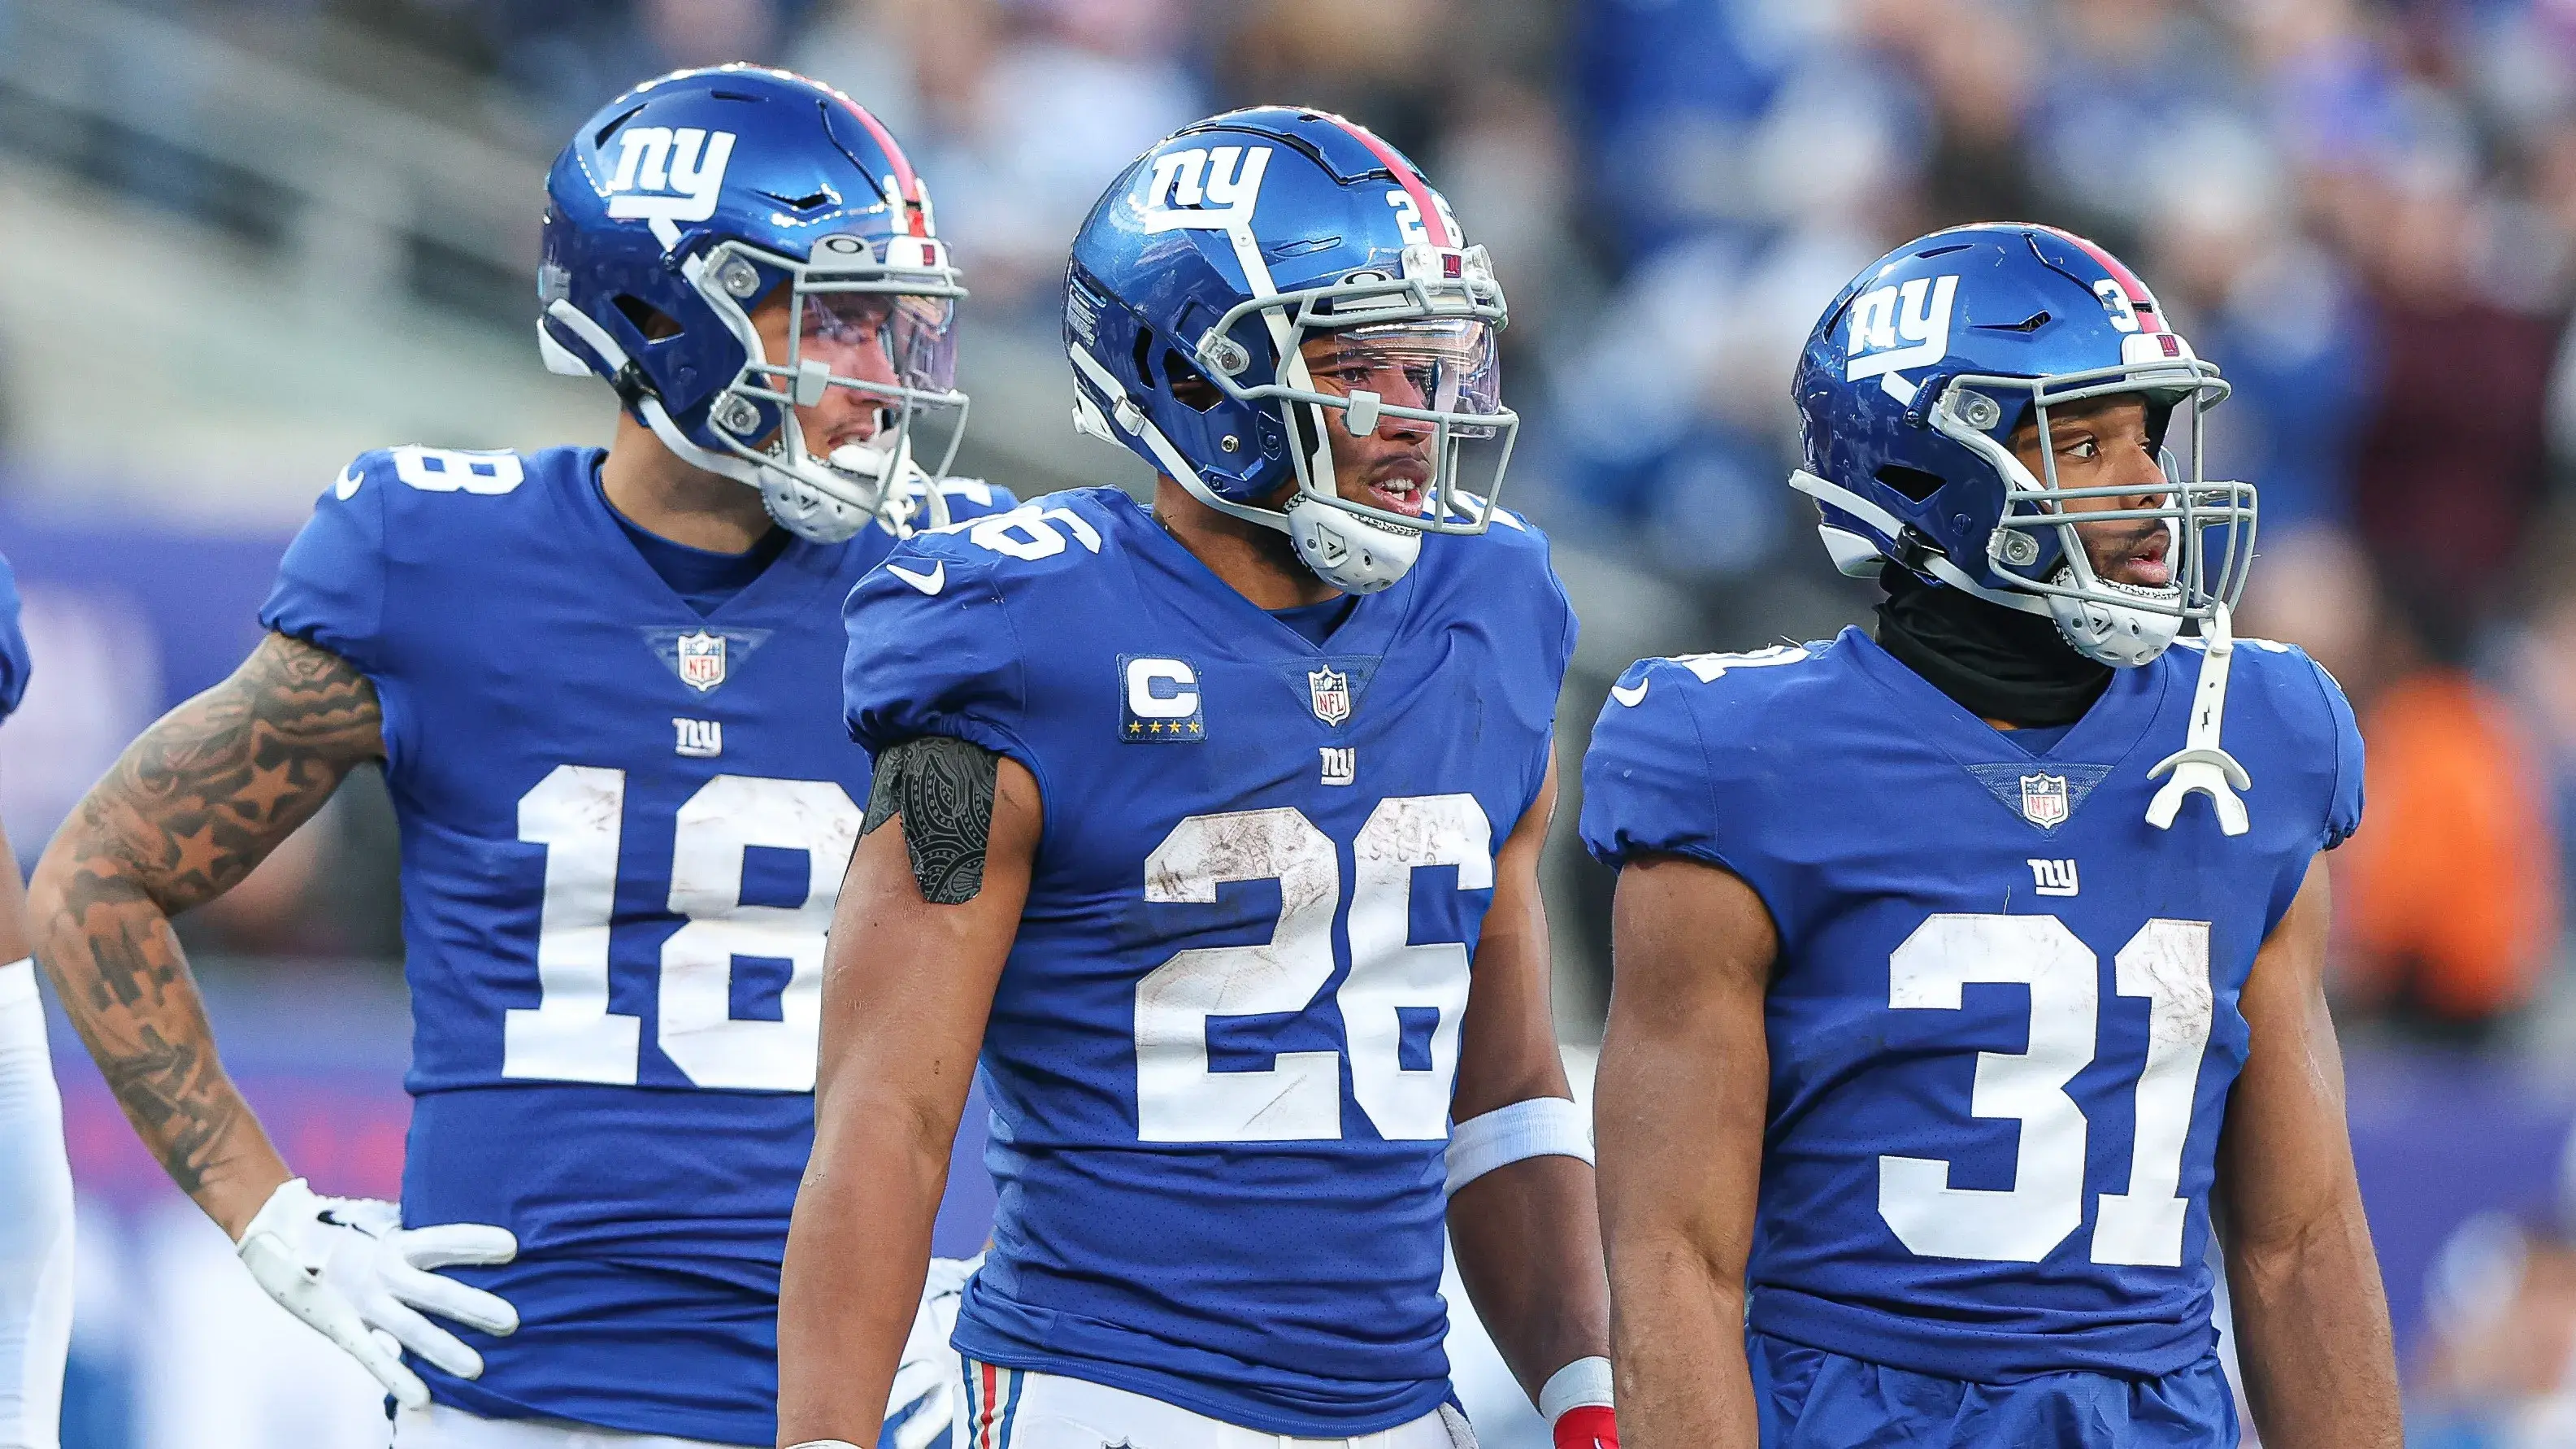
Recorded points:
(2365, 213)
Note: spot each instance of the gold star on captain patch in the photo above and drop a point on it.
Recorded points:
(1158, 727)
(1134, 728)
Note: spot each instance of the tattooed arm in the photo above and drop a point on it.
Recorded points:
(188, 810)
(925, 919)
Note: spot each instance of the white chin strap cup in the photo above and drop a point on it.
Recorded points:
(1354, 554)
(2109, 633)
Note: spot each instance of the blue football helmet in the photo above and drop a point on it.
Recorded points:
(1197, 286)
(689, 202)
(1921, 371)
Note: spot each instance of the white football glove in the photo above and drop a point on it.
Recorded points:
(924, 1401)
(350, 1270)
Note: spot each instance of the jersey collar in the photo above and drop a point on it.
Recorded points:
(2110, 731)
(1247, 627)
(802, 559)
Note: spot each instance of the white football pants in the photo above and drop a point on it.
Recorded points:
(441, 1426)
(1017, 1409)
(35, 1222)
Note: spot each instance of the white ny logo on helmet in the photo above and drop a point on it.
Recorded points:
(1218, 187)
(1900, 326)
(668, 175)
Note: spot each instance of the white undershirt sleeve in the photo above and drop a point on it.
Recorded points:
(35, 1222)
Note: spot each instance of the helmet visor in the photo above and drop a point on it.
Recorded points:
(877, 370)
(890, 340)
(1384, 358)
(1448, 365)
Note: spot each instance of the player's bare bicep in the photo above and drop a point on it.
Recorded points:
(2284, 1155)
(1690, 930)
(1685, 1064)
(204, 794)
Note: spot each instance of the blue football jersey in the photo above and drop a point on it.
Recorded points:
(14, 667)
(2004, 1021)
(623, 826)
(1220, 1055)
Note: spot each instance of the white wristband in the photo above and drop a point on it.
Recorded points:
(824, 1444)
(1539, 1127)
(18, 983)
(1584, 1382)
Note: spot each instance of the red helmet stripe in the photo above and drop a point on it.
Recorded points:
(1434, 220)
(907, 185)
(2142, 301)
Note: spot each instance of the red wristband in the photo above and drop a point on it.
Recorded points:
(1587, 1426)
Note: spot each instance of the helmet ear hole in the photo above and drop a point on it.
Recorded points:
(1189, 387)
(1914, 483)
(656, 324)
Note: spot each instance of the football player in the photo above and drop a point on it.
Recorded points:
(1965, 973)
(597, 683)
(35, 1177)
(1219, 826)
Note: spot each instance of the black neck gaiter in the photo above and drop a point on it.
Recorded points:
(1998, 663)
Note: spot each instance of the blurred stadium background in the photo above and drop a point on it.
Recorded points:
(245, 239)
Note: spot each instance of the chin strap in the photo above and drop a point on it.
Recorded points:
(1132, 419)
(2201, 764)
(1934, 562)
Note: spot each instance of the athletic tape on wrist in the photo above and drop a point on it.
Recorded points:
(1539, 1127)
(1584, 1383)
(824, 1444)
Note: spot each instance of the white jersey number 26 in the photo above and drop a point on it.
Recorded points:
(1179, 1098)
(577, 813)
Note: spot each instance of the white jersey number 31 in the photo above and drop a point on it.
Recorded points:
(2167, 963)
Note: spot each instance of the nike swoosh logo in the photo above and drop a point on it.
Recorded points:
(929, 583)
(350, 478)
(1630, 697)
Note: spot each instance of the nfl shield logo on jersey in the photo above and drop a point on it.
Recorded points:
(1330, 690)
(2043, 800)
(702, 660)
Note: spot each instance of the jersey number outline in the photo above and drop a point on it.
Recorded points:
(577, 812)
(1298, 1098)
(2166, 962)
